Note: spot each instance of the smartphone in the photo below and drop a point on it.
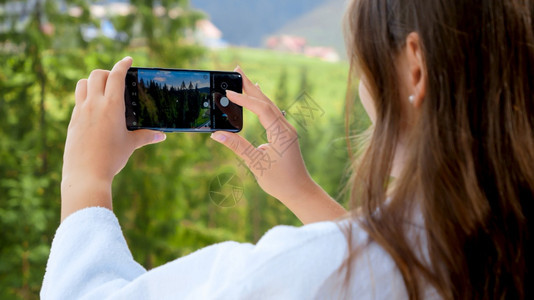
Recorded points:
(182, 100)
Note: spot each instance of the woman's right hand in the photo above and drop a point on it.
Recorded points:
(278, 165)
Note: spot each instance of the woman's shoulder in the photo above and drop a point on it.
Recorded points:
(287, 262)
(309, 260)
(293, 235)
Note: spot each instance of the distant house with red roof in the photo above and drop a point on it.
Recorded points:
(299, 45)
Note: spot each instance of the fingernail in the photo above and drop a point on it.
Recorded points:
(230, 92)
(159, 137)
(127, 57)
(219, 137)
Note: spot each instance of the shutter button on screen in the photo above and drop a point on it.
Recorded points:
(224, 102)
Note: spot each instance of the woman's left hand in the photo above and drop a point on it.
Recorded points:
(98, 144)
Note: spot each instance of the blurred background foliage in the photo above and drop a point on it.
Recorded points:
(162, 196)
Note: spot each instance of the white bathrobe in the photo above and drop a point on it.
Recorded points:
(90, 259)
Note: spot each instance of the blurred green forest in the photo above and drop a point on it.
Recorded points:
(162, 197)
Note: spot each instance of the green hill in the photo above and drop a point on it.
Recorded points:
(247, 23)
(321, 26)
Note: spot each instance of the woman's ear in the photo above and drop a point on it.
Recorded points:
(417, 69)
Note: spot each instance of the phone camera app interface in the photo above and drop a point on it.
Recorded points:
(226, 115)
(173, 99)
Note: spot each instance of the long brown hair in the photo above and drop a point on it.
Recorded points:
(470, 163)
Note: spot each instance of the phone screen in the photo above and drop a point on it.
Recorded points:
(182, 100)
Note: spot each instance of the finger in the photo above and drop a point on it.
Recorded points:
(253, 90)
(250, 88)
(266, 111)
(81, 91)
(115, 84)
(96, 83)
(239, 145)
(145, 137)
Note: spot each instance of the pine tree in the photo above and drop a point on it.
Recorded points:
(38, 64)
(281, 97)
(44, 50)
(304, 86)
(162, 26)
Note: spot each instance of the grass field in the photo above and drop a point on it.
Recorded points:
(327, 81)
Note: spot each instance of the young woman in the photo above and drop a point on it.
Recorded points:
(449, 87)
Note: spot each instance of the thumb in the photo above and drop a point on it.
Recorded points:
(238, 144)
(145, 137)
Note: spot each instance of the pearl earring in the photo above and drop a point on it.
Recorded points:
(411, 98)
